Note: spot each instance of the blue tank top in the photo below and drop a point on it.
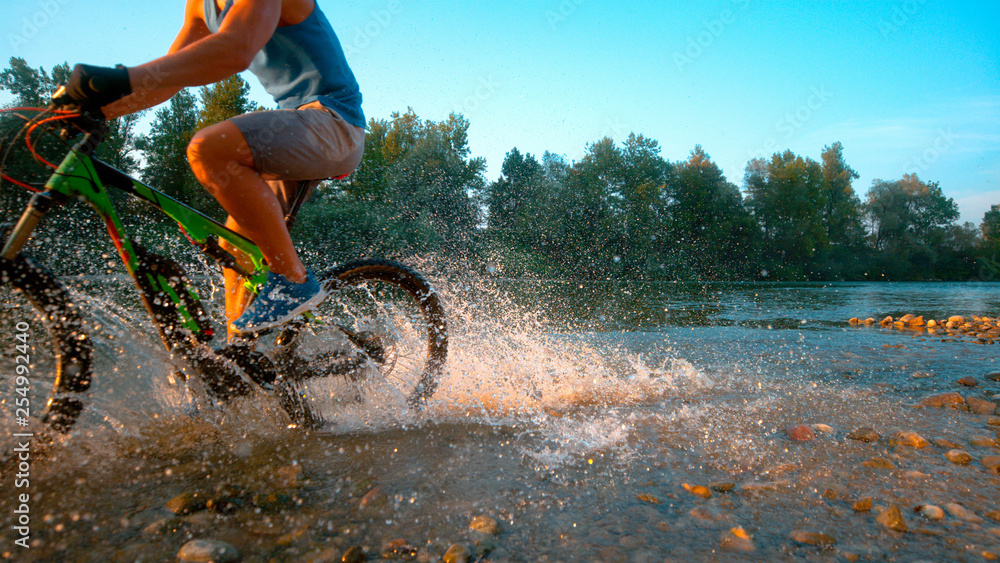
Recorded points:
(303, 63)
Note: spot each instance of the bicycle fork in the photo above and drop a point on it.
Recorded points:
(40, 204)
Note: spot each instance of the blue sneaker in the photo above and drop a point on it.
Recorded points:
(279, 301)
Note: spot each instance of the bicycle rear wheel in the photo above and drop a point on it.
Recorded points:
(381, 329)
(42, 331)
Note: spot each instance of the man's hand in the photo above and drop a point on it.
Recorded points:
(93, 87)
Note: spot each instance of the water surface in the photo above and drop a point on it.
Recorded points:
(573, 414)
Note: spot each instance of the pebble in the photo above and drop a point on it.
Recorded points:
(163, 526)
(353, 555)
(981, 406)
(650, 499)
(398, 549)
(864, 504)
(723, 487)
(800, 433)
(908, 438)
(958, 457)
(812, 538)
(930, 512)
(824, 429)
(703, 513)
(992, 376)
(374, 498)
(289, 476)
(737, 539)
(968, 381)
(962, 513)
(946, 443)
(457, 553)
(208, 551)
(983, 441)
(990, 461)
(878, 463)
(993, 421)
(698, 490)
(922, 374)
(186, 503)
(864, 434)
(892, 518)
(329, 555)
(942, 400)
(485, 525)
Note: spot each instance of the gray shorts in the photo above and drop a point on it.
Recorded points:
(290, 146)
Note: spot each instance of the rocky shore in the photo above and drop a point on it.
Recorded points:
(985, 330)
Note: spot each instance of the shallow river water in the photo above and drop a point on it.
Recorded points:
(575, 422)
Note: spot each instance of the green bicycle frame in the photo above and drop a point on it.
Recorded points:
(82, 177)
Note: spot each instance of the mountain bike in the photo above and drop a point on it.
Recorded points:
(381, 329)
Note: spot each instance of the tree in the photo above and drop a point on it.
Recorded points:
(788, 200)
(709, 223)
(989, 251)
(33, 88)
(224, 99)
(909, 221)
(842, 216)
(165, 150)
(413, 191)
(508, 200)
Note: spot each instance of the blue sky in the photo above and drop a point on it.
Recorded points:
(904, 85)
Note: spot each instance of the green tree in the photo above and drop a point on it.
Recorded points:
(509, 198)
(412, 193)
(842, 216)
(224, 99)
(989, 251)
(595, 239)
(909, 221)
(32, 88)
(709, 224)
(165, 150)
(787, 198)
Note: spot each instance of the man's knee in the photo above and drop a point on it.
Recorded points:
(216, 153)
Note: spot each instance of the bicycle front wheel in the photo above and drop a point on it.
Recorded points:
(381, 329)
(46, 352)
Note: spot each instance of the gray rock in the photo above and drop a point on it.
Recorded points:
(208, 551)
(962, 513)
(930, 512)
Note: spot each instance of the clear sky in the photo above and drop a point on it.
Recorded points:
(904, 85)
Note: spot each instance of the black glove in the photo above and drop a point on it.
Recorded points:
(93, 87)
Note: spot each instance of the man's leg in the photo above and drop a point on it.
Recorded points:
(221, 160)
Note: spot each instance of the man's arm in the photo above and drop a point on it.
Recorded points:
(198, 57)
(248, 26)
(151, 94)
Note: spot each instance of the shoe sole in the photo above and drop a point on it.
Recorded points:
(309, 304)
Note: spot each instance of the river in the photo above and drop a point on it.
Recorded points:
(575, 422)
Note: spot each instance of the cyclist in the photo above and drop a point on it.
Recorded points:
(252, 164)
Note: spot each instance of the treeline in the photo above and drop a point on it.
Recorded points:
(623, 211)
